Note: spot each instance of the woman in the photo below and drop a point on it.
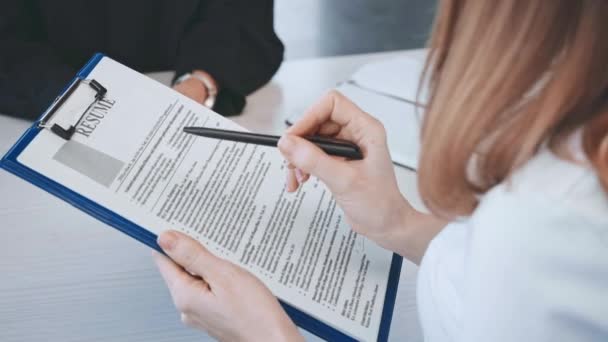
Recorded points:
(514, 170)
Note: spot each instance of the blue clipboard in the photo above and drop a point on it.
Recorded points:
(10, 163)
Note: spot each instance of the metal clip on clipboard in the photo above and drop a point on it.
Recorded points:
(61, 130)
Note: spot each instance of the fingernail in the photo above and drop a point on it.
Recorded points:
(299, 176)
(167, 240)
(286, 143)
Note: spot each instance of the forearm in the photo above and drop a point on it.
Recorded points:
(411, 233)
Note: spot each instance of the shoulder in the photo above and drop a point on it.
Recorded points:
(548, 192)
(537, 251)
(550, 212)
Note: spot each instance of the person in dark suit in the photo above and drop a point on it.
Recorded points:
(221, 50)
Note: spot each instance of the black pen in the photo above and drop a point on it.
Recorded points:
(334, 147)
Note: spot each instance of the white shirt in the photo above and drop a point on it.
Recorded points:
(530, 264)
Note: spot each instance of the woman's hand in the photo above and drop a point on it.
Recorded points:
(365, 189)
(219, 297)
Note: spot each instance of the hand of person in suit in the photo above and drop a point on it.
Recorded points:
(219, 297)
(194, 88)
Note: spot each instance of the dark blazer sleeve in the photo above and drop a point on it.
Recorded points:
(235, 42)
(31, 74)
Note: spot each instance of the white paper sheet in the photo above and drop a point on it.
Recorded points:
(399, 77)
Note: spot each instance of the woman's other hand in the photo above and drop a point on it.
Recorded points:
(219, 297)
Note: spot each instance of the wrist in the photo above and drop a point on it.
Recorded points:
(394, 222)
(408, 231)
(206, 82)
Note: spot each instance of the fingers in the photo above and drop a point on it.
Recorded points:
(329, 128)
(292, 181)
(332, 107)
(190, 254)
(295, 178)
(301, 176)
(310, 159)
(169, 270)
(172, 272)
(336, 116)
(188, 293)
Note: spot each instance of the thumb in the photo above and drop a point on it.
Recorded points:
(311, 159)
(190, 254)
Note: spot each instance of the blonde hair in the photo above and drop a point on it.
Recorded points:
(504, 78)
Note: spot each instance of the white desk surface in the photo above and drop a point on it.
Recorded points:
(66, 277)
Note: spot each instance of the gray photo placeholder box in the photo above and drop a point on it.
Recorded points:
(90, 162)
